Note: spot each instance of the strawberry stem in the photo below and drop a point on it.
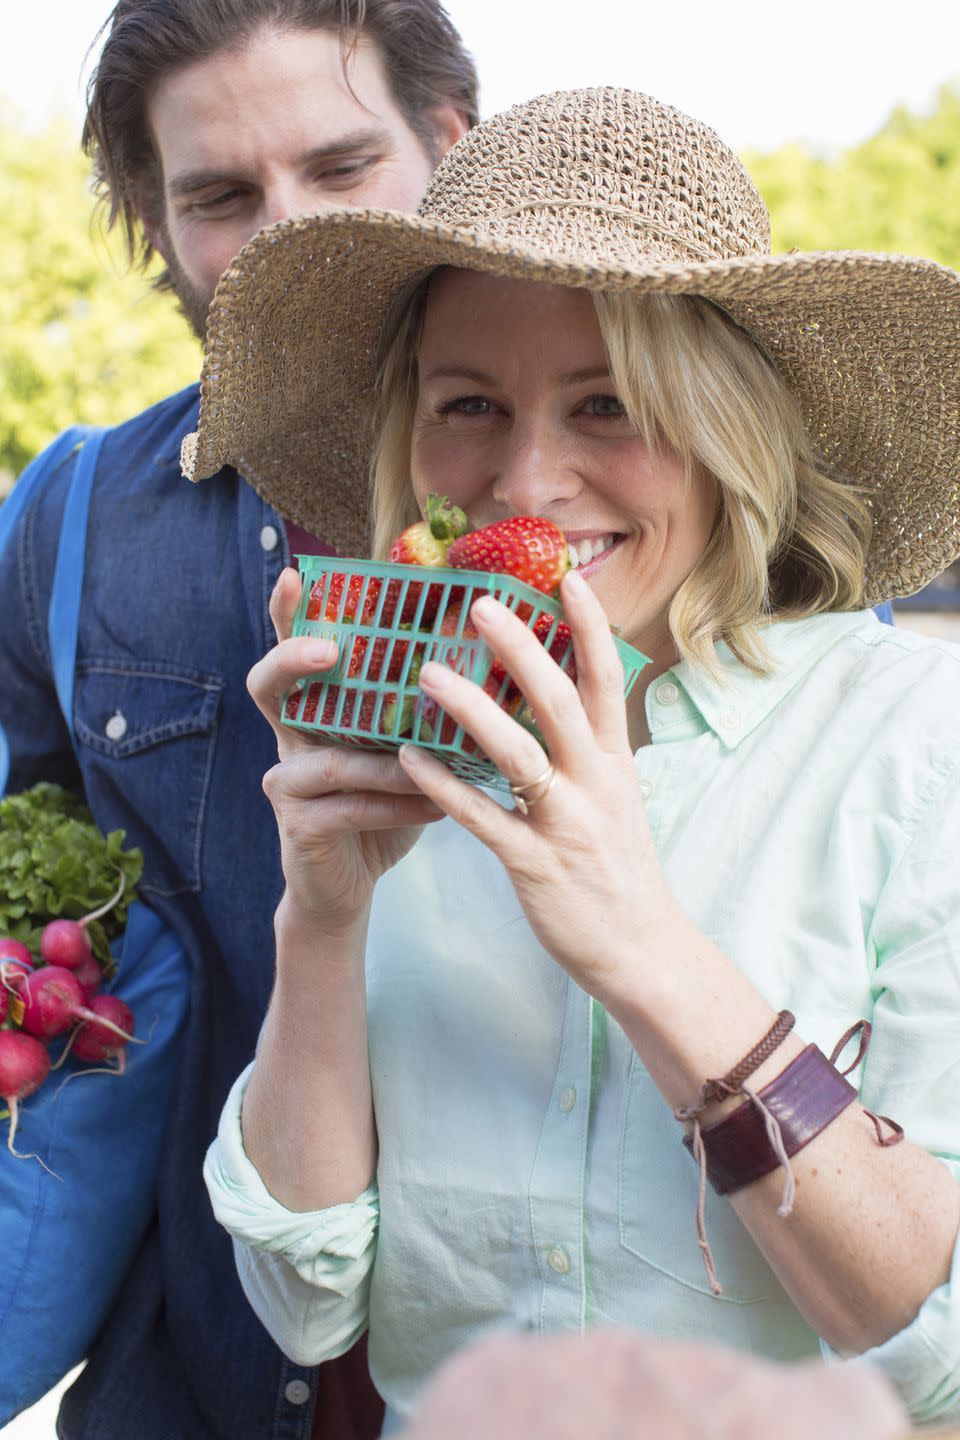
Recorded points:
(446, 521)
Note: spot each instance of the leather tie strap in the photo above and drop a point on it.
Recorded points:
(803, 1099)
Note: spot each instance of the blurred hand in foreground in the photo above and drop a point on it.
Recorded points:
(616, 1385)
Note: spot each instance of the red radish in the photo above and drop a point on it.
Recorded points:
(94, 1040)
(53, 1001)
(90, 975)
(11, 949)
(24, 1065)
(64, 943)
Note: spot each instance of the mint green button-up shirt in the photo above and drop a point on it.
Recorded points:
(530, 1175)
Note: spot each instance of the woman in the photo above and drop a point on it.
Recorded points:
(491, 1029)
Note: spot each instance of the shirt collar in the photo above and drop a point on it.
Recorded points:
(738, 701)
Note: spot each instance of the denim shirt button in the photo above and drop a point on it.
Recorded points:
(297, 1392)
(116, 726)
(269, 538)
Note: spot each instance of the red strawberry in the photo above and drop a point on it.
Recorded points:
(340, 608)
(559, 645)
(427, 542)
(528, 547)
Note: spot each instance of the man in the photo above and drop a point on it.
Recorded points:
(205, 122)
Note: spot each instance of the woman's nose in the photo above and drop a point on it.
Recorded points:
(533, 469)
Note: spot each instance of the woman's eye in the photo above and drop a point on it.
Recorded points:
(604, 406)
(467, 405)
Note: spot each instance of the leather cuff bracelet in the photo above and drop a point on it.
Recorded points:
(803, 1099)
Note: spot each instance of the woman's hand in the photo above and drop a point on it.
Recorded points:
(582, 860)
(345, 816)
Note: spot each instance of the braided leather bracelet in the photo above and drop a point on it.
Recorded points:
(773, 1124)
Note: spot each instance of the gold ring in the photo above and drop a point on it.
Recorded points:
(519, 792)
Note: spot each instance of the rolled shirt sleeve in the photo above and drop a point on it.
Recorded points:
(305, 1273)
(912, 1071)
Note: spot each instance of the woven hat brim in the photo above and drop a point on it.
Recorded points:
(870, 344)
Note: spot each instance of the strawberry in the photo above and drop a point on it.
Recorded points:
(427, 542)
(528, 547)
(342, 608)
(559, 645)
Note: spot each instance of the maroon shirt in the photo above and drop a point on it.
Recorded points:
(303, 543)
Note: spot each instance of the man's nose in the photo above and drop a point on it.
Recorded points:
(533, 469)
(285, 199)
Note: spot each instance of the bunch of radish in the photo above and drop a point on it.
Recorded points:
(54, 999)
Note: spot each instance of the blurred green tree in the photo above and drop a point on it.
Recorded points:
(82, 338)
(899, 191)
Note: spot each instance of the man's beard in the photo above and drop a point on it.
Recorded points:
(192, 304)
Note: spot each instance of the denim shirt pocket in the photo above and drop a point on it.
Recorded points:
(658, 1203)
(146, 733)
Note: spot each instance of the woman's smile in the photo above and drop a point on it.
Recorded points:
(518, 414)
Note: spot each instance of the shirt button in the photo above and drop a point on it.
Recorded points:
(730, 719)
(558, 1260)
(646, 788)
(116, 726)
(297, 1392)
(667, 693)
(269, 540)
(568, 1098)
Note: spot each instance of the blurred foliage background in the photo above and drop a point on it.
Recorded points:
(83, 338)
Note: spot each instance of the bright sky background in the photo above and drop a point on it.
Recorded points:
(822, 71)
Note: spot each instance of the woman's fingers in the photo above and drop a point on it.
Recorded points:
(558, 710)
(516, 753)
(355, 791)
(337, 768)
(599, 667)
(466, 804)
(284, 602)
(281, 668)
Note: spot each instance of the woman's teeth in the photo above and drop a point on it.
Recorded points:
(582, 552)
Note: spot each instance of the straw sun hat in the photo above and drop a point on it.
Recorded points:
(600, 189)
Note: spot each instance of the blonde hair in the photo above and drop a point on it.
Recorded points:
(790, 540)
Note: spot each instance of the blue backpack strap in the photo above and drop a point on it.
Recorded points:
(11, 511)
(42, 466)
(64, 615)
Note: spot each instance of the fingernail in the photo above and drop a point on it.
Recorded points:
(486, 607)
(573, 580)
(433, 676)
(320, 652)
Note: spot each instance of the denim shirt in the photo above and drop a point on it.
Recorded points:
(173, 751)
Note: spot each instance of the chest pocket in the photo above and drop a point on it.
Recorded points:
(658, 1203)
(147, 734)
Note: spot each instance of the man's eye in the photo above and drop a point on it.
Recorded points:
(218, 201)
(467, 405)
(605, 406)
(346, 170)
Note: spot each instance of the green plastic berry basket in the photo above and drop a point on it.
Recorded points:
(388, 620)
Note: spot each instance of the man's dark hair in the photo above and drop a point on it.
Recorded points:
(422, 53)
